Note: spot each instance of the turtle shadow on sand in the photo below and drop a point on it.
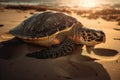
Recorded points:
(63, 67)
(15, 48)
(76, 69)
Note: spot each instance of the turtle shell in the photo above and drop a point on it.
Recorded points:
(43, 24)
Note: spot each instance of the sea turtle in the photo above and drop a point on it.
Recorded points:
(58, 32)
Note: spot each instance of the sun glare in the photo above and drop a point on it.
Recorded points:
(88, 3)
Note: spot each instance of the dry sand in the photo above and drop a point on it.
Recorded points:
(14, 65)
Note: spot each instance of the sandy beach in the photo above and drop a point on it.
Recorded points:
(102, 64)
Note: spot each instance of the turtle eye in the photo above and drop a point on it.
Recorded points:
(95, 34)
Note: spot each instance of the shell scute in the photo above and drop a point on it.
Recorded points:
(44, 24)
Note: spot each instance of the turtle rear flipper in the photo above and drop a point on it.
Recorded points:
(62, 49)
(8, 39)
(12, 42)
(6, 36)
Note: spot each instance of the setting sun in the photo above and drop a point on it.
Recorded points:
(88, 3)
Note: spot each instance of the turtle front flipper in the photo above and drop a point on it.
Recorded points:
(62, 49)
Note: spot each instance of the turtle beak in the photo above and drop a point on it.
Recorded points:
(104, 39)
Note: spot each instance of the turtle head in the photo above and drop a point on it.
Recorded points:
(91, 37)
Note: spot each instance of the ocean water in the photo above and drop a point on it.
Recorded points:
(114, 3)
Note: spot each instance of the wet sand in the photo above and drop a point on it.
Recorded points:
(102, 64)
